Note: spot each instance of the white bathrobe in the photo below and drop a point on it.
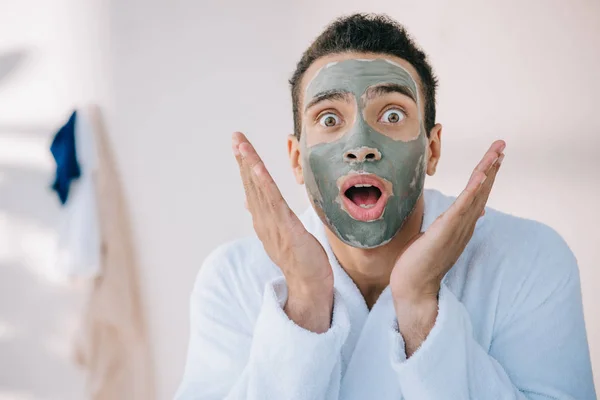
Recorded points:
(510, 326)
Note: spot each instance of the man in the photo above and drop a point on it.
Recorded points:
(382, 290)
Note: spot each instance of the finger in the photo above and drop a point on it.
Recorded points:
(473, 207)
(243, 170)
(491, 174)
(477, 208)
(263, 198)
(249, 186)
(484, 193)
(491, 155)
(235, 142)
(263, 181)
(488, 160)
(470, 204)
(257, 173)
(236, 139)
(249, 154)
(476, 182)
(253, 196)
(464, 201)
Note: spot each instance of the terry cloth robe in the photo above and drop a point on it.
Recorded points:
(510, 326)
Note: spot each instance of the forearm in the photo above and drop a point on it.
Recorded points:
(416, 317)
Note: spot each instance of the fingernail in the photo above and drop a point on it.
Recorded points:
(236, 150)
(243, 150)
(500, 159)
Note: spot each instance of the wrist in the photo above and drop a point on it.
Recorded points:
(415, 306)
(416, 293)
(309, 289)
(310, 306)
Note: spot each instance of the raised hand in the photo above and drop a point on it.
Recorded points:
(290, 246)
(418, 272)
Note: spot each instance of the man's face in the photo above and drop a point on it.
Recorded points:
(363, 146)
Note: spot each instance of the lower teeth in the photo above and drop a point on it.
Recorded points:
(366, 205)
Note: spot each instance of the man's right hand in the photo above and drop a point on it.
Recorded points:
(290, 246)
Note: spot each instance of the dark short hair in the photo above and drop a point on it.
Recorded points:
(367, 33)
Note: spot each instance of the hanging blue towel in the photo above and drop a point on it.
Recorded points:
(65, 155)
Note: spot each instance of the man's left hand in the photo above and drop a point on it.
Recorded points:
(417, 275)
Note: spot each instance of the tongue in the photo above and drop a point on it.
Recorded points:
(363, 195)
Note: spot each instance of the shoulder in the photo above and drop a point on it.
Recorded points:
(504, 235)
(534, 270)
(525, 241)
(511, 248)
(512, 266)
(527, 261)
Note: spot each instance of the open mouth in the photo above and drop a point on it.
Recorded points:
(364, 196)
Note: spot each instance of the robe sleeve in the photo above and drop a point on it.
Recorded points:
(228, 358)
(538, 351)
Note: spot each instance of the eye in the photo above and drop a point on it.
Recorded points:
(392, 116)
(329, 120)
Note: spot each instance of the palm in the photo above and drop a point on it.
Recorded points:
(312, 256)
(285, 239)
(426, 251)
(421, 266)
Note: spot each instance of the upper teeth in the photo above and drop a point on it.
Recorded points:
(363, 185)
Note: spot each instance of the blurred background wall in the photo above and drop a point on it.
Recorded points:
(176, 78)
(52, 58)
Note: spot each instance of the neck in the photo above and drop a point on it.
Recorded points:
(370, 269)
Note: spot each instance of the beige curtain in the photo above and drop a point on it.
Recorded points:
(112, 344)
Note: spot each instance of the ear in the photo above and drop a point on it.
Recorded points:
(434, 149)
(293, 146)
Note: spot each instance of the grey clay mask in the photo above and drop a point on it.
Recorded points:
(362, 156)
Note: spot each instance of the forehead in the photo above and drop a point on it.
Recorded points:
(393, 65)
(357, 75)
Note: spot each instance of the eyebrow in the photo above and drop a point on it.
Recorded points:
(333, 94)
(390, 88)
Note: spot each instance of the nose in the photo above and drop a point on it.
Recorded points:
(362, 154)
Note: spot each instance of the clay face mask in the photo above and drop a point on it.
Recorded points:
(363, 181)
